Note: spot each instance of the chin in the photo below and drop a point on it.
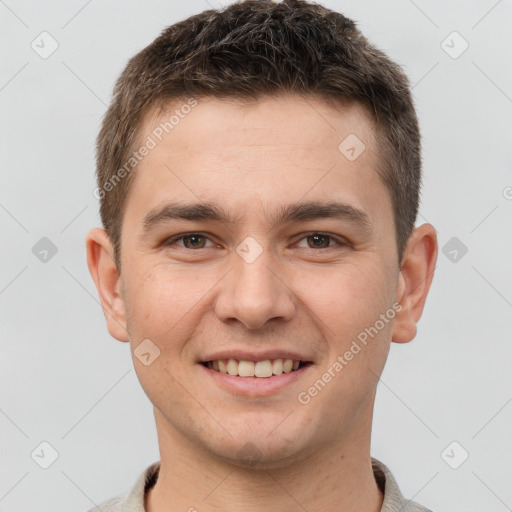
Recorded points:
(259, 451)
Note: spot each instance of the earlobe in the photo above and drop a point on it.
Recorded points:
(414, 282)
(100, 260)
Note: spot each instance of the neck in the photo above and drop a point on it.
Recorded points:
(334, 477)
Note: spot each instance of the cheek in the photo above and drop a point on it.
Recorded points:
(349, 305)
(347, 309)
(347, 298)
(164, 300)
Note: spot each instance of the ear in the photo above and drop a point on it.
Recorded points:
(416, 274)
(100, 260)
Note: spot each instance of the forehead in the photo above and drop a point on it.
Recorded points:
(263, 153)
(282, 121)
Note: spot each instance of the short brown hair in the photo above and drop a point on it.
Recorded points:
(255, 48)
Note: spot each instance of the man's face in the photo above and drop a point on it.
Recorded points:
(258, 287)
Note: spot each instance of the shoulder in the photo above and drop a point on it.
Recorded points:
(394, 501)
(133, 500)
(111, 505)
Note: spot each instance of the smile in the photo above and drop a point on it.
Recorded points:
(258, 369)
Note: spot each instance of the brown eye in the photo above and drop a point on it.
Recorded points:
(321, 241)
(189, 241)
(194, 241)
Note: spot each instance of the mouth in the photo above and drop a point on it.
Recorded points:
(255, 369)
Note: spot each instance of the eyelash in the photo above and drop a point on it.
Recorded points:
(339, 241)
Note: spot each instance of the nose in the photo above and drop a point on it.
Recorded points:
(255, 292)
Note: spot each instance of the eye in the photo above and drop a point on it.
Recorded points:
(190, 240)
(322, 241)
(315, 240)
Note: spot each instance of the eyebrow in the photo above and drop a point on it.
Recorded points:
(296, 212)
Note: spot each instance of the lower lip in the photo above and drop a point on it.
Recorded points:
(255, 386)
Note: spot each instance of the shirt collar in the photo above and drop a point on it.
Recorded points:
(393, 498)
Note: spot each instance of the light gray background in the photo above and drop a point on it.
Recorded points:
(65, 381)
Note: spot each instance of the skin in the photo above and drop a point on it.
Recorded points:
(252, 159)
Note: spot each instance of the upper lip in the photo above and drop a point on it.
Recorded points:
(245, 355)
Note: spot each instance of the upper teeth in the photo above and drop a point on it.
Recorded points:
(243, 368)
